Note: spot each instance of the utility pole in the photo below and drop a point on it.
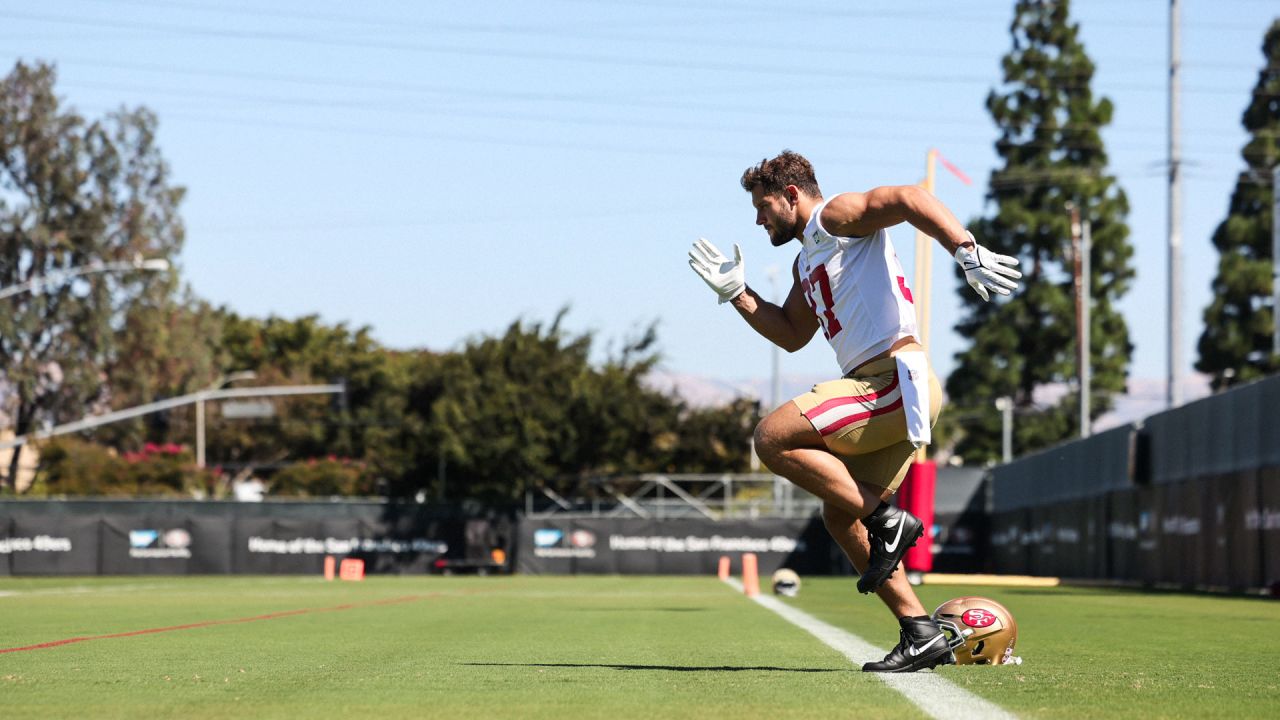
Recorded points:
(1080, 244)
(924, 277)
(1086, 300)
(1174, 390)
(775, 380)
(1275, 258)
(924, 260)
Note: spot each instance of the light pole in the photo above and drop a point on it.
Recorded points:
(97, 266)
(1174, 383)
(1005, 406)
(775, 385)
(1275, 258)
(1081, 249)
(200, 398)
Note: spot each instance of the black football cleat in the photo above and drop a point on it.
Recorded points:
(890, 532)
(921, 645)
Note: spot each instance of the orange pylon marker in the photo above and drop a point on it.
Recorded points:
(330, 566)
(750, 575)
(351, 569)
(724, 567)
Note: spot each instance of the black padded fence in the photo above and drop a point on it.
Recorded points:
(1221, 532)
(181, 538)
(1189, 498)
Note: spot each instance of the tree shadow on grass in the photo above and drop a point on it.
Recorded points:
(671, 668)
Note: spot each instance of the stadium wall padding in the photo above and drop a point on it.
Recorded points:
(181, 537)
(1188, 498)
(961, 525)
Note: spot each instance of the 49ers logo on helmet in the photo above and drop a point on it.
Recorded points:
(978, 618)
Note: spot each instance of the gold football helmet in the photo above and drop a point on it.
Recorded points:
(980, 630)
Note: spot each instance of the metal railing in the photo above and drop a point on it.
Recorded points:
(663, 496)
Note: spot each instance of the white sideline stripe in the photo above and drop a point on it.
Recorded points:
(78, 590)
(932, 693)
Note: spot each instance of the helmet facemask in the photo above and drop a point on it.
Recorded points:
(786, 582)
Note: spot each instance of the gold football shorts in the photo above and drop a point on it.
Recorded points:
(862, 422)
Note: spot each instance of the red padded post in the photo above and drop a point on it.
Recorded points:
(916, 497)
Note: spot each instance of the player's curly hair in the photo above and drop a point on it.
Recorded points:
(789, 168)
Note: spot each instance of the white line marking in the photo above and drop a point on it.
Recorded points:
(932, 693)
(79, 590)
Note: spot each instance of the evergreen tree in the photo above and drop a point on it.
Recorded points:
(1053, 156)
(1236, 343)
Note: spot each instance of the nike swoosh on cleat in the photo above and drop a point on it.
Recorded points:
(890, 547)
(913, 650)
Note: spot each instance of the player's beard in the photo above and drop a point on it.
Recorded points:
(779, 236)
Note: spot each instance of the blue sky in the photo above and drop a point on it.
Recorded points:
(436, 170)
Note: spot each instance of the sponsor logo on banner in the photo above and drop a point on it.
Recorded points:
(553, 543)
(1264, 519)
(344, 546)
(150, 544)
(39, 543)
(558, 543)
(1008, 537)
(1180, 525)
(1122, 531)
(547, 537)
(695, 543)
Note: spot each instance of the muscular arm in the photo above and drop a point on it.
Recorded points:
(860, 214)
(789, 326)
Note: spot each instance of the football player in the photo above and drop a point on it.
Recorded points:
(849, 441)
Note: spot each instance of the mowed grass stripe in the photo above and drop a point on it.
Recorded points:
(509, 647)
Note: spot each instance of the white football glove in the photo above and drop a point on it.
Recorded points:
(725, 276)
(986, 270)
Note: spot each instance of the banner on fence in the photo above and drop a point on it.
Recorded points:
(145, 538)
(687, 546)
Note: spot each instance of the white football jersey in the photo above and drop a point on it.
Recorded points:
(857, 289)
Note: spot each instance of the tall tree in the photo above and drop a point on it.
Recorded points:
(513, 411)
(1052, 155)
(73, 192)
(510, 412)
(305, 351)
(1236, 345)
(169, 345)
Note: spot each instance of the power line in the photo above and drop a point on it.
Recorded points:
(505, 27)
(931, 13)
(577, 98)
(564, 119)
(683, 65)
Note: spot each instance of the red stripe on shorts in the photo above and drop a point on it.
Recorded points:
(849, 399)
(833, 427)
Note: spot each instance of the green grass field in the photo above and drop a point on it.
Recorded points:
(611, 647)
